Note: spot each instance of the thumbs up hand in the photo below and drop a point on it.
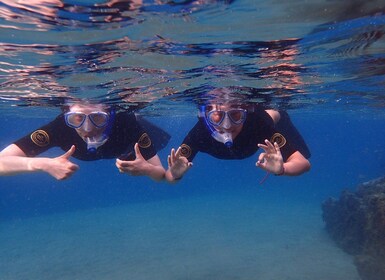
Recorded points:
(61, 167)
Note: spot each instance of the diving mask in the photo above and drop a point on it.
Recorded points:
(78, 119)
(222, 118)
(86, 122)
(216, 119)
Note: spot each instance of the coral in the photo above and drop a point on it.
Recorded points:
(356, 222)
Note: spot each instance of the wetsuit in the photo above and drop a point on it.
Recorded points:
(257, 127)
(125, 132)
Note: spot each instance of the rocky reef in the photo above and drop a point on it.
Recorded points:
(356, 222)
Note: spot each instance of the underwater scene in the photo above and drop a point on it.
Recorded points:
(161, 64)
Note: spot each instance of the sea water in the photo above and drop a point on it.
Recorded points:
(320, 61)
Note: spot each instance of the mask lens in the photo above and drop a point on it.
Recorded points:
(75, 120)
(99, 119)
(216, 117)
(237, 116)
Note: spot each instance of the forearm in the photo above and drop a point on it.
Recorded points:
(296, 167)
(155, 172)
(12, 165)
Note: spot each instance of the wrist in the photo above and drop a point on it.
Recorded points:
(282, 171)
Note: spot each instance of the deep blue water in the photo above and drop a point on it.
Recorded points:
(321, 61)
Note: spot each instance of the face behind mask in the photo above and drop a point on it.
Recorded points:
(92, 125)
(218, 121)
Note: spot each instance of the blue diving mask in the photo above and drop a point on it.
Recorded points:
(217, 118)
(98, 119)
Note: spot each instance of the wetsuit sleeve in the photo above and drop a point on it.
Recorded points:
(293, 137)
(159, 137)
(190, 144)
(267, 130)
(40, 140)
(146, 144)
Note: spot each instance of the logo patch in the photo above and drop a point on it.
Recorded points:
(144, 141)
(40, 138)
(185, 150)
(279, 139)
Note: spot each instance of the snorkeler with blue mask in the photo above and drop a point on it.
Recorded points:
(229, 128)
(89, 131)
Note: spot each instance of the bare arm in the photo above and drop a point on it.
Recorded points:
(275, 115)
(296, 164)
(271, 160)
(14, 161)
(140, 167)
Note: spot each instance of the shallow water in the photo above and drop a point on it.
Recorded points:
(322, 61)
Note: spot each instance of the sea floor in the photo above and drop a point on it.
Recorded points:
(198, 237)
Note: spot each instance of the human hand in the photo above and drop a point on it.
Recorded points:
(271, 159)
(60, 167)
(136, 167)
(177, 164)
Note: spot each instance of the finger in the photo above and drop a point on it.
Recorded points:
(260, 164)
(173, 155)
(138, 154)
(263, 147)
(270, 145)
(69, 153)
(169, 161)
(277, 148)
(261, 157)
(171, 158)
(74, 167)
(178, 152)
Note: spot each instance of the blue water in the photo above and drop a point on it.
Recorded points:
(321, 61)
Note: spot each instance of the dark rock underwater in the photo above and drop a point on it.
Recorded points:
(356, 222)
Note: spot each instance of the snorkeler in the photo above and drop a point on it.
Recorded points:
(87, 132)
(228, 129)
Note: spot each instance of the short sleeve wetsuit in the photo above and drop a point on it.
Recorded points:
(257, 127)
(125, 132)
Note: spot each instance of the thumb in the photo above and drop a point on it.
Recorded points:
(138, 154)
(69, 153)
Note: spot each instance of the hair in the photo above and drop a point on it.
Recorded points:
(82, 102)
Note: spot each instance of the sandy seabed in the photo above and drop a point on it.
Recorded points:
(198, 237)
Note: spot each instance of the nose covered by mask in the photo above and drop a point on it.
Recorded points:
(223, 136)
(220, 136)
(93, 142)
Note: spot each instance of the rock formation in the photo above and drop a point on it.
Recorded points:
(356, 222)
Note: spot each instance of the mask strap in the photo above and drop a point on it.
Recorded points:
(111, 120)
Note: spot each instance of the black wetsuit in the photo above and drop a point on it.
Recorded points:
(125, 132)
(258, 126)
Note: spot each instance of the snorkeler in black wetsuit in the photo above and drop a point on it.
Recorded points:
(257, 127)
(125, 131)
(88, 132)
(229, 130)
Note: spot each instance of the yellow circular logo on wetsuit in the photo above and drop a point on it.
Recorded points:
(279, 139)
(144, 141)
(185, 150)
(40, 138)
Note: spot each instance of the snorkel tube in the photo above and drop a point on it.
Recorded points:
(93, 143)
(225, 137)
